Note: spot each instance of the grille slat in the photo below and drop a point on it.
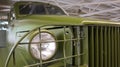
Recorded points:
(118, 46)
(112, 40)
(105, 47)
(97, 47)
(109, 47)
(115, 46)
(101, 47)
(78, 45)
(91, 51)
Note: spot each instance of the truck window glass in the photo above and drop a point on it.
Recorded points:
(40, 9)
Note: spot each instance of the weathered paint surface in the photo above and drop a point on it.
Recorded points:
(29, 22)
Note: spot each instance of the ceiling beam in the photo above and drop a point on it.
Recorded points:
(4, 6)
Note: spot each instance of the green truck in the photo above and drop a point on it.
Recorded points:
(44, 35)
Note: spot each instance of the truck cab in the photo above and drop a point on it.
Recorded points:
(41, 35)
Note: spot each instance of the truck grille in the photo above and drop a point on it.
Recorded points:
(103, 44)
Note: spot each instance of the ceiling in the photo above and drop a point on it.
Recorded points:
(4, 6)
(102, 9)
(4, 9)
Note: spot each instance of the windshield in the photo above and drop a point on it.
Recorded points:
(40, 9)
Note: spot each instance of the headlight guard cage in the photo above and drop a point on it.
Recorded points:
(38, 33)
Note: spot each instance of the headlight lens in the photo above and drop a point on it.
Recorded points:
(46, 48)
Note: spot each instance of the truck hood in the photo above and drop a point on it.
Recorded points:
(53, 19)
(31, 22)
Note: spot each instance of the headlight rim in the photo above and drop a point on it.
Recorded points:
(36, 33)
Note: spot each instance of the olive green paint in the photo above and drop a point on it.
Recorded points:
(30, 22)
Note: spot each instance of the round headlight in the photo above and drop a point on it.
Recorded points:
(43, 46)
